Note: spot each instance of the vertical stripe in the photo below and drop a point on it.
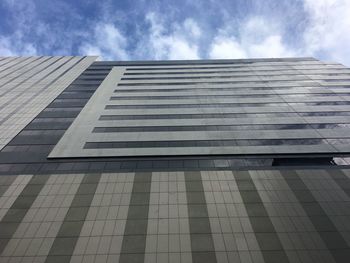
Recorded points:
(135, 233)
(32, 76)
(31, 100)
(12, 192)
(68, 234)
(24, 85)
(47, 77)
(5, 183)
(341, 179)
(18, 78)
(202, 244)
(293, 226)
(322, 223)
(268, 240)
(6, 60)
(36, 233)
(231, 230)
(21, 69)
(19, 208)
(168, 235)
(13, 63)
(103, 229)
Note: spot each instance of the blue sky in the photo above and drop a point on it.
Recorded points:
(182, 29)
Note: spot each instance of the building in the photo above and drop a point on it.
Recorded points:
(174, 161)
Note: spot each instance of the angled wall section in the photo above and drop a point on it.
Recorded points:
(29, 84)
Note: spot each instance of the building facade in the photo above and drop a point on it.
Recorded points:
(174, 161)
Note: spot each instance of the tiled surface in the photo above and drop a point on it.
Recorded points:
(199, 216)
(29, 84)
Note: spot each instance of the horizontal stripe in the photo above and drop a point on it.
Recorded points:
(252, 120)
(198, 143)
(266, 109)
(219, 115)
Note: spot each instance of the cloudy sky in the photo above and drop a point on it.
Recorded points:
(181, 29)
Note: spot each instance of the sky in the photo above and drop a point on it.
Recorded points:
(178, 29)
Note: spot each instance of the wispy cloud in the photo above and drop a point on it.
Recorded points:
(107, 42)
(16, 42)
(15, 45)
(255, 38)
(182, 30)
(328, 33)
(179, 41)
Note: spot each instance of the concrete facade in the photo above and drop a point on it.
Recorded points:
(99, 174)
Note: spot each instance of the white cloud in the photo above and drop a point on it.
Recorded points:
(256, 38)
(107, 42)
(191, 27)
(31, 34)
(16, 46)
(326, 35)
(179, 41)
(322, 30)
(328, 32)
(16, 43)
(271, 46)
(178, 48)
(226, 47)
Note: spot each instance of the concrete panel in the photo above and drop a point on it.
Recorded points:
(169, 151)
(75, 137)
